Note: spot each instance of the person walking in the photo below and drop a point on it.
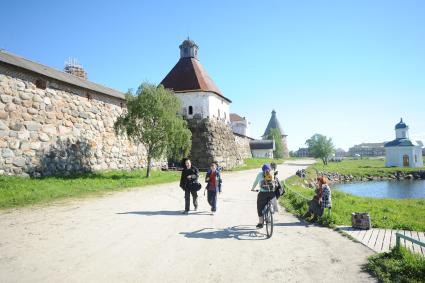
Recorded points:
(213, 180)
(190, 185)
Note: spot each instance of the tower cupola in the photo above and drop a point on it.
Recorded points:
(188, 49)
(401, 130)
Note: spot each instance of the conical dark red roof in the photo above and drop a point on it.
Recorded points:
(189, 75)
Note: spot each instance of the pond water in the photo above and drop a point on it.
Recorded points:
(386, 189)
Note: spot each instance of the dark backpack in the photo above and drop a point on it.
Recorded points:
(280, 191)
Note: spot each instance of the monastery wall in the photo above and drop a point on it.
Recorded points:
(61, 129)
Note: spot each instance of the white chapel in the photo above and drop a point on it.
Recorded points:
(200, 96)
(402, 152)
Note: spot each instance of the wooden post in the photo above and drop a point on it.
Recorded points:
(397, 240)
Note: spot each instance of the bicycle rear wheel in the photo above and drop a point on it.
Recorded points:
(268, 218)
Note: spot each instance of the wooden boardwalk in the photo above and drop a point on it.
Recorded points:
(382, 240)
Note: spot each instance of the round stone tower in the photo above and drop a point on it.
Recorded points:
(274, 124)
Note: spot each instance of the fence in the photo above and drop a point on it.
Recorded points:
(407, 238)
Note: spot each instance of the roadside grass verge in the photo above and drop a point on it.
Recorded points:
(252, 163)
(18, 191)
(398, 265)
(405, 214)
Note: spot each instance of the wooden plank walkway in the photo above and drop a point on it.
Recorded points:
(382, 240)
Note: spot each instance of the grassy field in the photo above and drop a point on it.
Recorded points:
(252, 163)
(17, 191)
(408, 214)
(398, 265)
(362, 167)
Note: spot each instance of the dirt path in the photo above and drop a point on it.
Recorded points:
(141, 236)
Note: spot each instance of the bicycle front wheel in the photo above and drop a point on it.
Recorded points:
(269, 222)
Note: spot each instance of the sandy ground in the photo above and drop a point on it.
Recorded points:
(140, 235)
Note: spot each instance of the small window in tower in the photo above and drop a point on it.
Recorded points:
(219, 113)
(39, 83)
(416, 158)
(190, 110)
(225, 116)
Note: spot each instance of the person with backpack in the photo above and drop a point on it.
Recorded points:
(190, 185)
(213, 180)
(267, 190)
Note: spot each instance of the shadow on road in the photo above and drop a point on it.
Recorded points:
(165, 213)
(242, 232)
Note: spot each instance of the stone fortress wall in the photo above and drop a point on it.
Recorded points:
(213, 140)
(62, 129)
(242, 143)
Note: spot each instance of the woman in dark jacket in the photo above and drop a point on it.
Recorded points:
(189, 183)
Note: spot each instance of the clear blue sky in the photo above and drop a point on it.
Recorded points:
(345, 69)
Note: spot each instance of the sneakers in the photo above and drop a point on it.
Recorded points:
(259, 225)
(185, 212)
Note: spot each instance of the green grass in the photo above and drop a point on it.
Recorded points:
(406, 214)
(17, 191)
(362, 167)
(398, 265)
(252, 163)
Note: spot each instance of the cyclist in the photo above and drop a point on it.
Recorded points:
(267, 187)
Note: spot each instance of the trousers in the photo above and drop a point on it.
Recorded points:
(262, 199)
(187, 194)
(212, 200)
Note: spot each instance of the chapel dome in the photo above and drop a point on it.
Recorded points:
(400, 125)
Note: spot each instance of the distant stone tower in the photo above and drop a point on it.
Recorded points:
(205, 108)
(72, 67)
(274, 124)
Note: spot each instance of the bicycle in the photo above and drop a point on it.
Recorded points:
(268, 217)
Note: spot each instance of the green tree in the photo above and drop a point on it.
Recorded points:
(152, 119)
(274, 134)
(320, 147)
